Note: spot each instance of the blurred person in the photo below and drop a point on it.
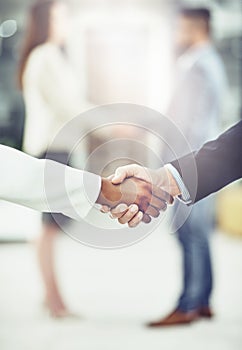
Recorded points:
(52, 97)
(195, 108)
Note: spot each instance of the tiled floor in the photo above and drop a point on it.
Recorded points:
(116, 292)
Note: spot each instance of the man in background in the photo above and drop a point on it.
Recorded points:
(195, 109)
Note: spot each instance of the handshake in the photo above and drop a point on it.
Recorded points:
(134, 193)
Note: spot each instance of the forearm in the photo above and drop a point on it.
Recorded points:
(217, 164)
(22, 179)
(164, 178)
(46, 185)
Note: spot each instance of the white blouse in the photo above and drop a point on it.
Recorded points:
(52, 97)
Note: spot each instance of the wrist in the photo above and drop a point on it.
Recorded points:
(167, 182)
(109, 193)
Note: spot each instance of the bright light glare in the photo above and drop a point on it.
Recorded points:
(8, 28)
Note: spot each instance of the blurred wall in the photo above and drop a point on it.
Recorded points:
(122, 52)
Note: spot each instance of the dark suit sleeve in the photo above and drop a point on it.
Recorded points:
(218, 163)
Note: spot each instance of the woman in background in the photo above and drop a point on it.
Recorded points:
(52, 97)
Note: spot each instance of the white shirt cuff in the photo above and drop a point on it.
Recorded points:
(83, 189)
(185, 195)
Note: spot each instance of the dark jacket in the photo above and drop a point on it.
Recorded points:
(218, 163)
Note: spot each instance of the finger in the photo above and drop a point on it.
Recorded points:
(146, 219)
(130, 213)
(119, 210)
(158, 203)
(164, 207)
(151, 211)
(136, 220)
(105, 209)
(158, 192)
(123, 172)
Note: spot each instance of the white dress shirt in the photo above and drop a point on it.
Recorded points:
(25, 180)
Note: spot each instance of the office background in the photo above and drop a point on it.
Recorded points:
(122, 53)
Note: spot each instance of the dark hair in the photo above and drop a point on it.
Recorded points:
(201, 13)
(37, 31)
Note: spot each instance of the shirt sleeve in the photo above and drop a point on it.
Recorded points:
(185, 195)
(45, 185)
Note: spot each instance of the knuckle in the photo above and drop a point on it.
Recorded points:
(143, 202)
(134, 166)
(146, 186)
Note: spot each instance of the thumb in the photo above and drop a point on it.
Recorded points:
(119, 175)
(110, 177)
(122, 173)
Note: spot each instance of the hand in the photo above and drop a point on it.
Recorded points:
(150, 199)
(157, 177)
(160, 177)
(128, 214)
